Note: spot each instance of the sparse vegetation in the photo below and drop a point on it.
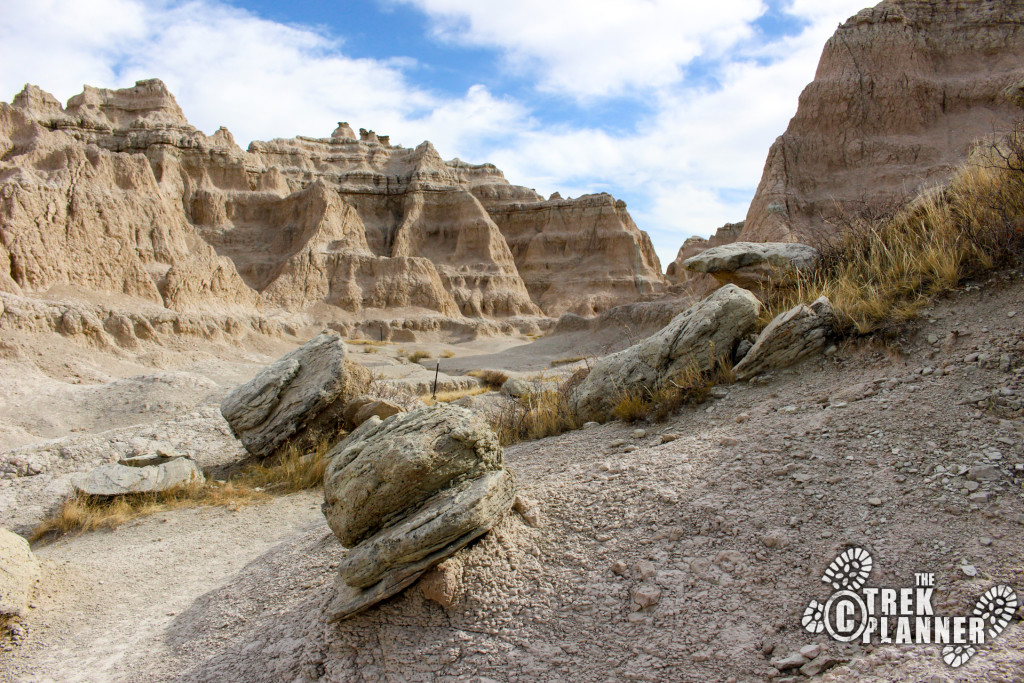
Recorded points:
(417, 356)
(81, 512)
(543, 412)
(453, 395)
(492, 378)
(447, 353)
(882, 270)
(689, 386)
(566, 361)
(292, 472)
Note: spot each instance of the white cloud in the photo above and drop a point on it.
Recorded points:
(589, 48)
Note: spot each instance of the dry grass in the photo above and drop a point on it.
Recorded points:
(492, 378)
(290, 473)
(81, 512)
(364, 342)
(543, 412)
(417, 356)
(882, 271)
(370, 349)
(454, 395)
(566, 361)
(689, 386)
(447, 353)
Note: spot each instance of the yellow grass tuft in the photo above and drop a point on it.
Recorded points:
(567, 360)
(80, 512)
(492, 378)
(544, 412)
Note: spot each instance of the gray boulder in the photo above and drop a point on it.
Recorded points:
(792, 335)
(698, 336)
(752, 264)
(19, 571)
(404, 494)
(146, 474)
(297, 399)
(362, 408)
(517, 388)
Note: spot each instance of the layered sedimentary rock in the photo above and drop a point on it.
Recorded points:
(118, 193)
(405, 494)
(582, 255)
(901, 93)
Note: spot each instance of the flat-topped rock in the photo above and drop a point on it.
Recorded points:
(146, 474)
(751, 264)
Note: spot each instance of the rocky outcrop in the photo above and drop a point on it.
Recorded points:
(901, 92)
(297, 400)
(117, 193)
(696, 338)
(141, 475)
(19, 570)
(791, 336)
(582, 255)
(752, 264)
(362, 408)
(406, 493)
(676, 273)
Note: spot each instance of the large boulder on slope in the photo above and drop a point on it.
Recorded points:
(404, 494)
(698, 336)
(299, 398)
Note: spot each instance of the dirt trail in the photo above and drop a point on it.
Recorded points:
(107, 598)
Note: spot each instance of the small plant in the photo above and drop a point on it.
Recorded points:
(417, 356)
(492, 378)
(370, 349)
(447, 353)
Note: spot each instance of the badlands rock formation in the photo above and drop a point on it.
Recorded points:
(116, 193)
(901, 92)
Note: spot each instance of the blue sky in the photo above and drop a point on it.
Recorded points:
(670, 105)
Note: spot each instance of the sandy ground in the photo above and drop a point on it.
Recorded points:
(724, 518)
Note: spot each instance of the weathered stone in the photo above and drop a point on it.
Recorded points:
(791, 336)
(19, 571)
(696, 338)
(405, 494)
(752, 264)
(517, 388)
(147, 474)
(361, 408)
(443, 582)
(297, 399)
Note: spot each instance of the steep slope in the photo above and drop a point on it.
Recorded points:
(900, 94)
